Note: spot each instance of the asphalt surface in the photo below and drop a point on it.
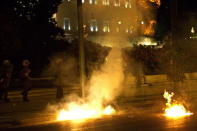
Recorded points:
(128, 121)
(143, 111)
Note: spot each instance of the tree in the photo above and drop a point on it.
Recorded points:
(10, 42)
(27, 27)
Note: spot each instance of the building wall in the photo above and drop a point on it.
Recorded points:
(116, 18)
(109, 25)
(67, 10)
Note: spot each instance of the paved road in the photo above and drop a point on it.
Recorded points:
(142, 111)
(131, 120)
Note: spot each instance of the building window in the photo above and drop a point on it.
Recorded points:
(67, 24)
(93, 25)
(127, 3)
(106, 27)
(105, 2)
(129, 29)
(93, 1)
(116, 3)
(118, 28)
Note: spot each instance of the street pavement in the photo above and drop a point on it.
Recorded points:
(131, 121)
(141, 111)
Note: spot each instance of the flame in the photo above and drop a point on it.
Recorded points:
(145, 3)
(158, 2)
(149, 30)
(109, 110)
(103, 88)
(192, 30)
(174, 109)
(81, 112)
(147, 42)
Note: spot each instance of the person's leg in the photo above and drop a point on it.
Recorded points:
(25, 95)
(1, 94)
(6, 91)
(6, 95)
(26, 90)
(59, 93)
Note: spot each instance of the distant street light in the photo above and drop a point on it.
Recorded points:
(192, 30)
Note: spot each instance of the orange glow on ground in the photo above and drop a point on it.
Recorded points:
(177, 111)
(174, 110)
(82, 112)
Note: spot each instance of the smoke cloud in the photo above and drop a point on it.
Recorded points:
(106, 85)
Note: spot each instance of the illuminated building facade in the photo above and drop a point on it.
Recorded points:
(101, 18)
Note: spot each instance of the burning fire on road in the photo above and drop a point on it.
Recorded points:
(102, 90)
(82, 112)
(173, 108)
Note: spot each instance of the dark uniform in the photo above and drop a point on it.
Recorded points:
(25, 79)
(59, 76)
(5, 76)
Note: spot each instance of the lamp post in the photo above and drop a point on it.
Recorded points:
(81, 47)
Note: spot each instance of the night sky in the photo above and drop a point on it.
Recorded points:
(187, 5)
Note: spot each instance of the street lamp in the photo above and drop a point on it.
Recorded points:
(81, 47)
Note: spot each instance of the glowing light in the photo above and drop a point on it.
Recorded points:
(143, 3)
(102, 89)
(93, 1)
(127, 4)
(84, 111)
(93, 25)
(91, 29)
(177, 111)
(173, 109)
(96, 29)
(69, 28)
(106, 2)
(117, 3)
(127, 30)
(149, 30)
(147, 42)
(146, 3)
(192, 30)
(106, 26)
(67, 25)
(109, 110)
(54, 16)
(106, 29)
(158, 2)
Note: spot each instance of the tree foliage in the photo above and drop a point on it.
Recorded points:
(28, 24)
(26, 28)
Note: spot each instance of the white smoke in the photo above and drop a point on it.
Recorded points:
(105, 85)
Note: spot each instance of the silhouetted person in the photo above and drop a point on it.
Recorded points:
(5, 76)
(139, 75)
(25, 79)
(59, 76)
